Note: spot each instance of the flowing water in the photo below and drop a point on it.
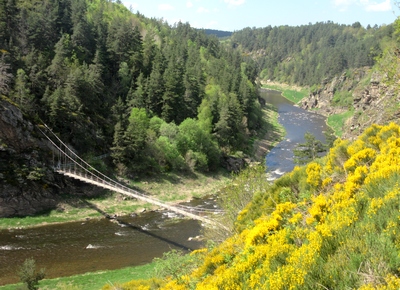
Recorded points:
(297, 122)
(93, 245)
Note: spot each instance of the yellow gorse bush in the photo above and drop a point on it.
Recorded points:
(344, 235)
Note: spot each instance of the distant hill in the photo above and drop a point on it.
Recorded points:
(306, 55)
(218, 33)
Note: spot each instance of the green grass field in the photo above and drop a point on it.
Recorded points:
(336, 122)
(93, 281)
(292, 94)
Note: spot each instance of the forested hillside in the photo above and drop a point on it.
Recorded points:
(333, 223)
(308, 54)
(157, 97)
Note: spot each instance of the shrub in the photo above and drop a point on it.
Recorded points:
(29, 276)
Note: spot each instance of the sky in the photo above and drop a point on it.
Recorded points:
(231, 15)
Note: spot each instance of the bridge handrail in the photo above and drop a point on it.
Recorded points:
(105, 179)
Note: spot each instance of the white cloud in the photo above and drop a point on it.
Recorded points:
(343, 2)
(189, 4)
(368, 5)
(343, 5)
(384, 6)
(202, 10)
(235, 2)
(165, 7)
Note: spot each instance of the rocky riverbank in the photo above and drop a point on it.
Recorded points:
(29, 186)
(362, 92)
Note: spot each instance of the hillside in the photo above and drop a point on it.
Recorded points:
(83, 66)
(351, 71)
(307, 55)
(332, 223)
(218, 33)
(360, 97)
(154, 98)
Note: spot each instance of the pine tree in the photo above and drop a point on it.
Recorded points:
(82, 38)
(194, 82)
(139, 96)
(22, 94)
(155, 86)
(172, 99)
(309, 150)
(5, 76)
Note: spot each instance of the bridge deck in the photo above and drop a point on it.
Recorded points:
(70, 164)
(132, 193)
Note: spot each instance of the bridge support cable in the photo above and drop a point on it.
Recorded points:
(71, 165)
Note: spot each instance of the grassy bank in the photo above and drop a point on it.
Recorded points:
(272, 133)
(169, 187)
(336, 122)
(93, 281)
(292, 93)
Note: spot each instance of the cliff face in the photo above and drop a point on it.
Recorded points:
(28, 184)
(372, 101)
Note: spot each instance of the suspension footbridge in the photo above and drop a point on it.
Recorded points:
(68, 163)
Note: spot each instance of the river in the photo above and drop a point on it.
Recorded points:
(93, 245)
(297, 122)
(79, 247)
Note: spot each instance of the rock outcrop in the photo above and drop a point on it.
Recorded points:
(234, 164)
(372, 102)
(28, 184)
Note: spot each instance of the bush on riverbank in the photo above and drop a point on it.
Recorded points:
(333, 223)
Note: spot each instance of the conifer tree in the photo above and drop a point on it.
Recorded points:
(309, 150)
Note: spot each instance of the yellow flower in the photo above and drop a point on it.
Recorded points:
(314, 174)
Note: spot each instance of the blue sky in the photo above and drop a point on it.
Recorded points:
(233, 15)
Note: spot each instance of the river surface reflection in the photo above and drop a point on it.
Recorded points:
(297, 122)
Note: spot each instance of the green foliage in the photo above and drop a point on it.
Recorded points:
(309, 150)
(308, 54)
(22, 94)
(5, 75)
(235, 197)
(95, 280)
(174, 264)
(332, 223)
(329, 137)
(342, 99)
(337, 121)
(169, 156)
(29, 276)
(36, 174)
(74, 62)
(204, 151)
